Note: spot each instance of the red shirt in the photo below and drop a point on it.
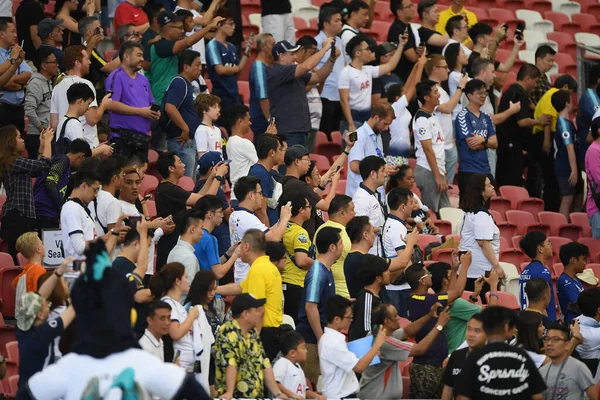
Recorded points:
(127, 13)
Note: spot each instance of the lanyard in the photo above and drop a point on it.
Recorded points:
(378, 151)
(562, 365)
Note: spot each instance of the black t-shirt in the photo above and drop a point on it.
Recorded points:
(170, 199)
(96, 76)
(270, 7)
(455, 365)
(295, 185)
(123, 265)
(136, 283)
(499, 371)
(29, 13)
(351, 263)
(365, 303)
(510, 133)
(405, 65)
(425, 34)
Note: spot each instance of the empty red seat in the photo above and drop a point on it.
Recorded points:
(306, 31)
(321, 138)
(13, 383)
(566, 43)
(480, 13)
(151, 205)
(505, 299)
(498, 217)
(186, 183)
(443, 255)
(444, 227)
(557, 243)
(520, 200)
(525, 222)
(322, 162)
(467, 295)
(507, 230)
(7, 292)
(148, 185)
(328, 149)
(557, 270)
(501, 14)
(6, 260)
(21, 260)
(561, 22)
(540, 6)
(512, 256)
(588, 22)
(108, 54)
(581, 219)
(513, 5)
(565, 63)
(380, 30)
(559, 225)
(500, 204)
(593, 245)
(12, 351)
(504, 244)
(244, 88)
(300, 23)
(516, 241)
(152, 156)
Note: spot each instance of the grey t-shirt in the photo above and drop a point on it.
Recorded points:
(574, 379)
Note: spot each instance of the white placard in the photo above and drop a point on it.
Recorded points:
(52, 239)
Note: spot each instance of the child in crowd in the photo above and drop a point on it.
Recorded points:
(80, 96)
(208, 136)
(31, 247)
(288, 373)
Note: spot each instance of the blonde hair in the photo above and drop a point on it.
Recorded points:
(27, 243)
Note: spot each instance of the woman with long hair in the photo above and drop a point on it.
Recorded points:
(63, 10)
(169, 284)
(530, 332)
(479, 233)
(201, 295)
(18, 213)
(457, 60)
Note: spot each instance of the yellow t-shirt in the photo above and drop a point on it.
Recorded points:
(296, 239)
(264, 282)
(544, 106)
(338, 268)
(445, 15)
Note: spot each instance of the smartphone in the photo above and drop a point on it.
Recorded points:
(22, 43)
(440, 309)
(338, 168)
(111, 92)
(176, 356)
(77, 264)
(505, 26)
(271, 120)
(573, 321)
(251, 35)
(516, 97)
(460, 254)
(228, 161)
(353, 136)
(98, 31)
(147, 197)
(487, 274)
(133, 221)
(519, 30)
(113, 145)
(406, 30)
(155, 107)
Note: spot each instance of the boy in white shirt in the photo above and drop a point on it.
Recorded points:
(338, 364)
(80, 96)
(208, 136)
(287, 370)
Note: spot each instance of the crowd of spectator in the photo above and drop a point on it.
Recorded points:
(204, 254)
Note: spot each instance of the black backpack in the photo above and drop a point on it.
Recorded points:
(60, 144)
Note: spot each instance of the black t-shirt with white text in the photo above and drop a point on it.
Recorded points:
(457, 362)
(499, 370)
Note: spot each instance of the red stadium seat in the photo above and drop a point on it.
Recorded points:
(13, 383)
(445, 227)
(300, 23)
(244, 88)
(525, 222)
(565, 41)
(593, 245)
(500, 204)
(306, 31)
(507, 230)
(21, 260)
(186, 183)
(7, 292)
(148, 185)
(504, 244)
(516, 241)
(505, 299)
(586, 21)
(443, 255)
(557, 243)
(559, 225)
(322, 162)
(341, 187)
(557, 269)
(467, 294)
(151, 208)
(383, 12)
(512, 256)
(108, 54)
(12, 351)
(328, 150)
(321, 138)
(425, 240)
(540, 6)
(501, 14)
(498, 217)
(6, 260)
(581, 219)
(2, 200)
(480, 13)
(520, 200)
(565, 63)
(336, 137)
(513, 5)
(380, 30)
(562, 23)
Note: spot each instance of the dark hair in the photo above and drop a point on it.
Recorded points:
(198, 294)
(424, 89)
(356, 5)
(474, 85)
(479, 29)
(164, 279)
(528, 323)
(256, 239)
(572, 250)
(439, 272)
(395, 5)
(311, 168)
(589, 302)
(84, 24)
(110, 168)
(530, 243)
(452, 52)
(153, 10)
(394, 91)
(208, 203)
(560, 99)
(289, 340)
(122, 31)
(326, 237)
(394, 180)
(543, 51)
(595, 127)
(187, 57)
(594, 74)
(370, 268)
(237, 112)
(380, 314)
(44, 53)
(306, 41)
(353, 43)
(266, 144)
(191, 217)
(370, 164)
(79, 146)
(4, 21)
(78, 91)
(413, 274)
(535, 289)
(244, 186)
(71, 55)
(138, 159)
(224, 13)
(356, 226)
(424, 5)
(157, 305)
(336, 306)
(472, 198)
(326, 13)
(452, 24)
(127, 47)
(480, 65)
(528, 71)
(165, 160)
(494, 319)
(567, 80)
(85, 175)
(131, 236)
(183, 13)
(275, 250)
(477, 317)
(562, 329)
(339, 203)
(298, 201)
(398, 196)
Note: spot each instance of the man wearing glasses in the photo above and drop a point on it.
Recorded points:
(458, 31)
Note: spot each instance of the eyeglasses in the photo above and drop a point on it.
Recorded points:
(133, 34)
(350, 317)
(425, 276)
(96, 188)
(229, 23)
(553, 339)
(260, 193)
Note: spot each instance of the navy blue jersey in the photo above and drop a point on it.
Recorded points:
(468, 125)
(224, 86)
(588, 105)
(564, 135)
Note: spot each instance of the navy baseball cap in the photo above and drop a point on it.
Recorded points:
(47, 25)
(209, 160)
(284, 47)
(166, 17)
(246, 301)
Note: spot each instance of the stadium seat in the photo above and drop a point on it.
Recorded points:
(538, 5)
(6, 260)
(2, 200)
(565, 41)
(341, 187)
(559, 226)
(534, 21)
(12, 351)
(557, 243)
(289, 321)
(152, 156)
(581, 219)
(527, 56)
(344, 172)
(512, 256)
(533, 39)
(13, 383)
(108, 54)
(591, 7)
(7, 292)
(570, 8)
(513, 5)
(556, 270)
(481, 13)
(500, 204)
(525, 222)
(186, 183)
(507, 300)
(593, 245)
(596, 268)
(498, 217)
(313, 23)
(383, 12)
(566, 64)
(425, 240)
(501, 14)
(520, 200)
(321, 138)
(445, 227)
(336, 137)
(21, 260)
(244, 88)
(516, 241)
(587, 22)
(455, 237)
(148, 185)
(151, 208)
(328, 149)
(467, 294)
(502, 55)
(504, 244)
(454, 215)
(307, 12)
(443, 255)
(300, 23)
(322, 162)
(306, 32)
(511, 282)
(379, 30)
(255, 20)
(507, 230)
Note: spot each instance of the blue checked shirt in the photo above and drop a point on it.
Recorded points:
(13, 98)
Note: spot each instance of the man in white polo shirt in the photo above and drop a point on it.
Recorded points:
(183, 252)
(368, 143)
(430, 172)
(368, 201)
(250, 197)
(105, 208)
(159, 323)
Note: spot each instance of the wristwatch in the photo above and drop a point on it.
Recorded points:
(113, 232)
(218, 177)
(462, 89)
(439, 328)
(13, 61)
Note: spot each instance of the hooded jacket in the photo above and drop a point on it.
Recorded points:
(37, 102)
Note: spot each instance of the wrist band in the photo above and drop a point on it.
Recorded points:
(494, 294)
(321, 187)
(346, 153)
(57, 274)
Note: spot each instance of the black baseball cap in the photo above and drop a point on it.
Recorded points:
(245, 301)
(295, 152)
(284, 47)
(166, 17)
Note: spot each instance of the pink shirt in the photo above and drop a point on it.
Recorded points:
(592, 169)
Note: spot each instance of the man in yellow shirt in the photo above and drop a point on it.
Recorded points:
(300, 252)
(541, 143)
(456, 8)
(341, 211)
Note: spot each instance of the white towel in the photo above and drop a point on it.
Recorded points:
(202, 338)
